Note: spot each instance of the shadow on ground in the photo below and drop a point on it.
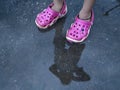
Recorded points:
(66, 59)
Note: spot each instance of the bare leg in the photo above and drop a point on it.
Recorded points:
(57, 5)
(85, 12)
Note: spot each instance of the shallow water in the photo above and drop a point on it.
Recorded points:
(33, 59)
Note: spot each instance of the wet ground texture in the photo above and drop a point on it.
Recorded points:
(33, 59)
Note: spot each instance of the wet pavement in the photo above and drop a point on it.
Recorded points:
(33, 59)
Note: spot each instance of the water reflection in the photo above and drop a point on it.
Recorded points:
(66, 58)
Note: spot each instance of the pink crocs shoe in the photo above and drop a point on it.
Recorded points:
(48, 16)
(79, 30)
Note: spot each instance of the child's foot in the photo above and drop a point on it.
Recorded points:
(58, 5)
(50, 15)
(80, 29)
(85, 16)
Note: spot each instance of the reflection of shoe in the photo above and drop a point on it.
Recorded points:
(80, 29)
(53, 68)
(49, 16)
(80, 75)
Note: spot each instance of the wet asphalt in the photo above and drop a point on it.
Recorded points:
(35, 59)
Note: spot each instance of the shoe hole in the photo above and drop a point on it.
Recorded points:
(70, 33)
(83, 25)
(82, 29)
(79, 25)
(76, 36)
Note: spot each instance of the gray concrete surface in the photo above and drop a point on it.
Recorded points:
(32, 59)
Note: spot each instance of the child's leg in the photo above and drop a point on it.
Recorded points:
(85, 12)
(57, 5)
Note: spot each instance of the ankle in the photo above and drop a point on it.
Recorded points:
(85, 15)
(57, 6)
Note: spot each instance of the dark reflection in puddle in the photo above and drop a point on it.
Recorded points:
(66, 58)
(111, 9)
